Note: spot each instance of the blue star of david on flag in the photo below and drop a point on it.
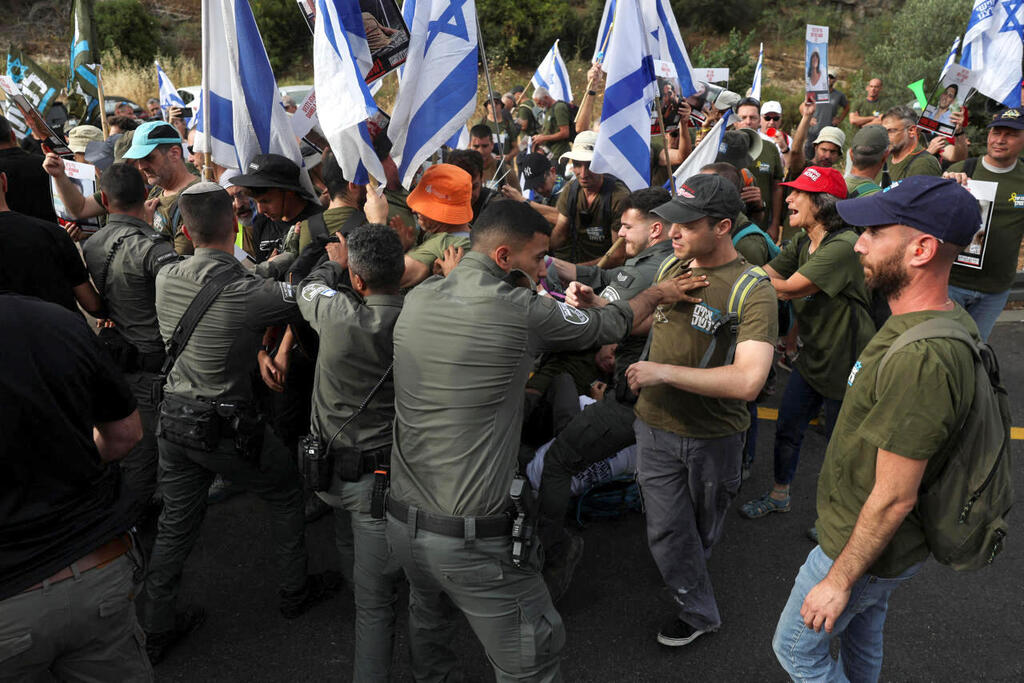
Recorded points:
(1012, 23)
(452, 21)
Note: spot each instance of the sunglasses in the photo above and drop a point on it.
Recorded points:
(771, 117)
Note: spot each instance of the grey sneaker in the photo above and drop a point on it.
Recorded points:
(677, 633)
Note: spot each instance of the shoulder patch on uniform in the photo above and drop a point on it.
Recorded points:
(573, 315)
(287, 291)
(310, 292)
(609, 293)
(167, 256)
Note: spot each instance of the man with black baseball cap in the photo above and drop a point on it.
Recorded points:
(894, 431)
(541, 178)
(983, 274)
(156, 150)
(274, 181)
(691, 412)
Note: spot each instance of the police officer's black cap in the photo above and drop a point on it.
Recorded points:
(535, 167)
(271, 171)
(702, 195)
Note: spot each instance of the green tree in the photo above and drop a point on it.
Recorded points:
(127, 26)
(734, 53)
(520, 32)
(285, 34)
(718, 15)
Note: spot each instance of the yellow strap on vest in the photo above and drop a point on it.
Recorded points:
(747, 280)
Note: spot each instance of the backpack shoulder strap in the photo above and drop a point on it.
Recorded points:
(970, 166)
(729, 326)
(862, 188)
(665, 266)
(317, 226)
(933, 328)
(193, 314)
(351, 223)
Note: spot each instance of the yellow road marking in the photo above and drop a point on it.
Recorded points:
(1016, 433)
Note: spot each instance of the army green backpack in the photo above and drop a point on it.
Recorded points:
(963, 507)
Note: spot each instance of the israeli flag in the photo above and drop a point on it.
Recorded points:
(993, 48)
(670, 47)
(603, 30)
(755, 87)
(706, 152)
(460, 140)
(341, 60)
(623, 145)
(169, 96)
(553, 75)
(244, 107)
(951, 59)
(438, 87)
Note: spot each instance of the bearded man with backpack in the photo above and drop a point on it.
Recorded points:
(916, 399)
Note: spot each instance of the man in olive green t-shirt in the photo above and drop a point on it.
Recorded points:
(442, 201)
(556, 129)
(908, 156)
(983, 274)
(869, 109)
(691, 420)
(890, 436)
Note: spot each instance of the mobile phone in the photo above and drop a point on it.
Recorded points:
(187, 112)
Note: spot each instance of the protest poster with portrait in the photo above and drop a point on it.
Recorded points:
(949, 97)
(84, 176)
(386, 33)
(34, 120)
(973, 256)
(816, 63)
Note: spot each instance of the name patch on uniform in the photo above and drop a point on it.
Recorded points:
(573, 315)
(853, 374)
(706, 319)
(310, 292)
(287, 291)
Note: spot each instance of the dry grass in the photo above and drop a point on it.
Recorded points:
(126, 79)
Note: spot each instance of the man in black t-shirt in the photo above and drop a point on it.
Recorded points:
(65, 556)
(38, 258)
(30, 185)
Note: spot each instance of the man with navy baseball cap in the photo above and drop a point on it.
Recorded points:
(891, 434)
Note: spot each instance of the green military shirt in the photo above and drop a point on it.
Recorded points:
(507, 172)
(525, 112)
(126, 282)
(753, 247)
(502, 133)
(220, 358)
(835, 323)
(999, 257)
(924, 394)
(592, 229)
(860, 187)
(355, 351)
(558, 115)
(918, 162)
(681, 334)
(768, 170)
(464, 347)
(866, 107)
(334, 219)
(167, 218)
(433, 247)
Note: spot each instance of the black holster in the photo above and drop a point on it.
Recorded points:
(245, 425)
(315, 464)
(189, 423)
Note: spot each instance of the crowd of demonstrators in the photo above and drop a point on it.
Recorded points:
(319, 344)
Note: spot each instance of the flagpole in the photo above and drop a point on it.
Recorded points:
(103, 104)
(483, 58)
(590, 82)
(664, 134)
(207, 137)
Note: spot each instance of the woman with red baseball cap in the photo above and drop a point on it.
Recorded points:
(819, 272)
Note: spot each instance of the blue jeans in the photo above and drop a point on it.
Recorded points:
(800, 405)
(983, 307)
(804, 652)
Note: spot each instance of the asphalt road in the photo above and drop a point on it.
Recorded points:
(942, 625)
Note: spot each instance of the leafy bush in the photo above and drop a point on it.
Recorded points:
(520, 32)
(285, 34)
(718, 15)
(734, 53)
(127, 26)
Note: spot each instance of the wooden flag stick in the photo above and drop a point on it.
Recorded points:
(103, 104)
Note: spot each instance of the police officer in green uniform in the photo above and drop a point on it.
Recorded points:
(605, 427)
(208, 423)
(156, 149)
(355, 326)
(457, 420)
(123, 259)
(589, 209)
